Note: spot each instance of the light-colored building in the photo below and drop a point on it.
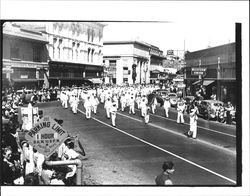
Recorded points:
(75, 51)
(130, 61)
(24, 55)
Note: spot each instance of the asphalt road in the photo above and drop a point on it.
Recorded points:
(132, 152)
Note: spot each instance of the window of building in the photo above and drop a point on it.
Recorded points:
(92, 35)
(89, 32)
(125, 80)
(14, 52)
(37, 53)
(88, 59)
(92, 56)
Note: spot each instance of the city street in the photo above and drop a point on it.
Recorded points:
(132, 153)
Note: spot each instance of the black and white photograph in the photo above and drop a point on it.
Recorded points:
(156, 97)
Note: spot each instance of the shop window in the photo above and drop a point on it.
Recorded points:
(14, 52)
(125, 80)
(37, 53)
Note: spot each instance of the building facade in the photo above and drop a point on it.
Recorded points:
(24, 56)
(220, 71)
(75, 52)
(157, 71)
(130, 61)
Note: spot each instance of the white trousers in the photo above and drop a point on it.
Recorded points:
(74, 108)
(146, 118)
(166, 112)
(131, 109)
(180, 118)
(153, 107)
(193, 129)
(65, 104)
(143, 111)
(113, 117)
(108, 112)
(88, 112)
(95, 108)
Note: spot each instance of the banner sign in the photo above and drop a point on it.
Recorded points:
(46, 136)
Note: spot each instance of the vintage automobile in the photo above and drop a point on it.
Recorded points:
(162, 93)
(207, 108)
(173, 99)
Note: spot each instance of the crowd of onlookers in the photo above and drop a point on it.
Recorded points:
(21, 163)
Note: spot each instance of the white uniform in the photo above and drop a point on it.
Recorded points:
(64, 100)
(146, 117)
(95, 104)
(193, 123)
(138, 101)
(132, 105)
(74, 104)
(123, 102)
(180, 111)
(87, 106)
(153, 106)
(166, 107)
(144, 106)
(107, 106)
(113, 110)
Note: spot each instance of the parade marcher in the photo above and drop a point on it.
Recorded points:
(132, 105)
(95, 103)
(75, 102)
(166, 106)
(115, 99)
(144, 106)
(164, 177)
(87, 106)
(146, 117)
(180, 111)
(123, 102)
(113, 111)
(153, 105)
(64, 98)
(193, 122)
(107, 106)
(138, 102)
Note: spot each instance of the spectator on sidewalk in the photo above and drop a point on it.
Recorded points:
(164, 177)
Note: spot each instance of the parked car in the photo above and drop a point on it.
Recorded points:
(207, 108)
(173, 99)
(162, 93)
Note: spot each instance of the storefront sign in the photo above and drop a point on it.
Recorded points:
(7, 70)
(24, 76)
(198, 71)
(46, 136)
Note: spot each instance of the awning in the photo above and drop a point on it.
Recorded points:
(96, 80)
(207, 82)
(197, 82)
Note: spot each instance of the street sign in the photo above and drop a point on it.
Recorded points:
(46, 136)
(198, 71)
(179, 78)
